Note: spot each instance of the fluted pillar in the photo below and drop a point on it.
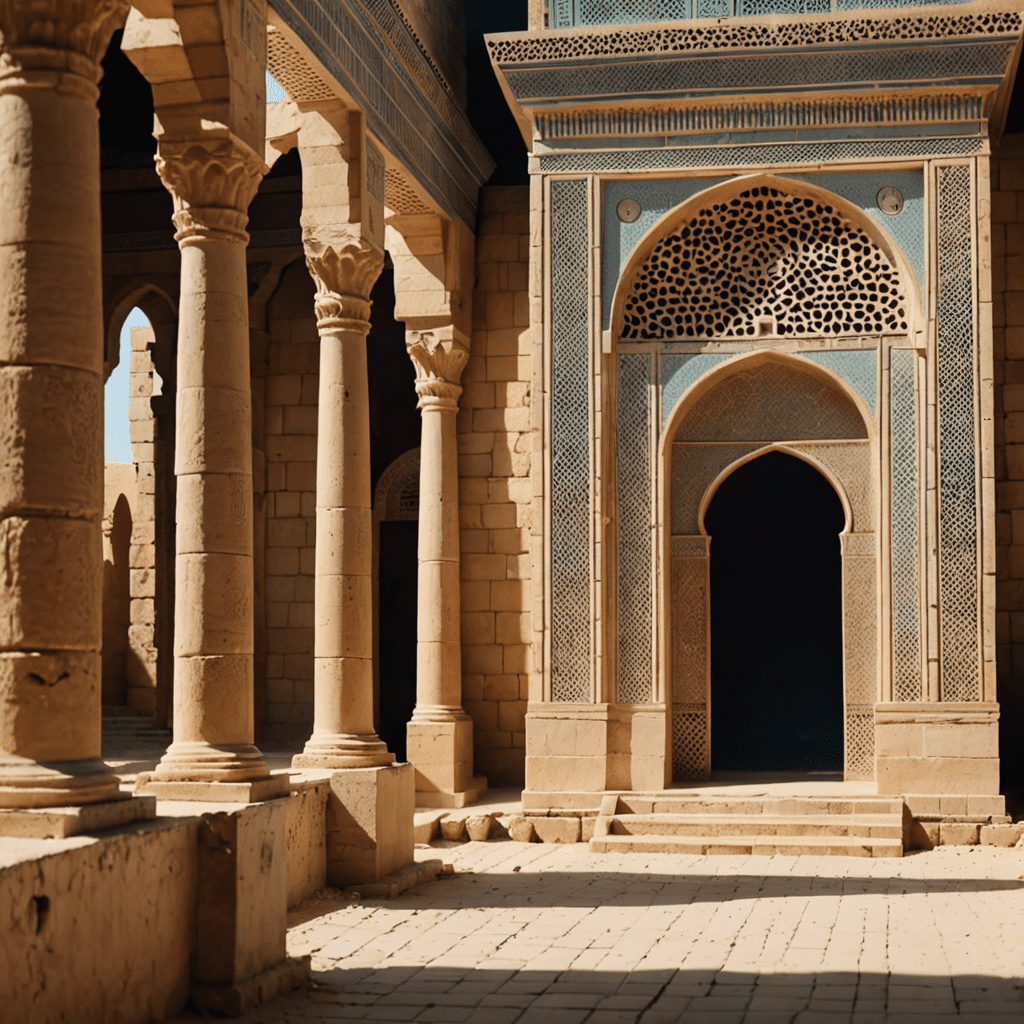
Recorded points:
(343, 734)
(212, 180)
(51, 407)
(440, 733)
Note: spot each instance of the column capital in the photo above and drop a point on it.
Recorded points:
(69, 35)
(439, 355)
(345, 275)
(212, 181)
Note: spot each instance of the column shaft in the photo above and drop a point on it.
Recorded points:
(343, 733)
(213, 618)
(438, 640)
(51, 429)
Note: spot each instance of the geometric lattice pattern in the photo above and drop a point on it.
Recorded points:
(772, 401)
(860, 631)
(636, 591)
(860, 742)
(689, 583)
(571, 642)
(689, 744)
(906, 537)
(958, 511)
(764, 264)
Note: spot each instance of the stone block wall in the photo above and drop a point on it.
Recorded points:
(1008, 319)
(495, 492)
(290, 423)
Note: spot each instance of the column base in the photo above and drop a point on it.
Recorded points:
(242, 996)
(344, 751)
(253, 792)
(225, 773)
(25, 783)
(61, 822)
(369, 823)
(464, 798)
(442, 752)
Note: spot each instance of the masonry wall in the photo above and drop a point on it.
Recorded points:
(495, 491)
(290, 417)
(1008, 317)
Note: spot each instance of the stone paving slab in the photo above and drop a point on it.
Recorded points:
(545, 934)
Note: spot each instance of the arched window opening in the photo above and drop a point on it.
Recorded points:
(776, 619)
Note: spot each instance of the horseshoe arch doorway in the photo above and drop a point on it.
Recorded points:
(776, 611)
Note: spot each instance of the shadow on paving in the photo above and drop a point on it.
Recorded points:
(496, 996)
(495, 889)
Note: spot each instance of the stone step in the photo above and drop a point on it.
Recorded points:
(868, 826)
(132, 725)
(754, 805)
(820, 846)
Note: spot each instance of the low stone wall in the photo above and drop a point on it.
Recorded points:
(306, 839)
(98, 929)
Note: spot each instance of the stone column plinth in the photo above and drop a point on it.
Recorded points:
(343, 733)
(440, 733)
(213, 756)
(51, 422)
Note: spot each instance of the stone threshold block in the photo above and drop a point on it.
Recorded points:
(442, 753)
(215, 792)
(435, 798)
(241, 909)
(369, 823)
(61, 822)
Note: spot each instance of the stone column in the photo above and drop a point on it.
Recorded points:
(51, 419)
(440, 733)
(212, 180)
(343, 733)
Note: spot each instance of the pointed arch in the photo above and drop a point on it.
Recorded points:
(743, 300)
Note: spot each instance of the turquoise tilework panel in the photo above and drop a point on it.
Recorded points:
(907, 227)
(656, 198)
(858, 367)
(678, 372)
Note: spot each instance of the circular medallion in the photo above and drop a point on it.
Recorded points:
(890, 200)
(628, 210)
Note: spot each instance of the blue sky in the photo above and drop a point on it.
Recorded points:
(115, 396)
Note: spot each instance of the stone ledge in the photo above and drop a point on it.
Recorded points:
(215, 792)
(243, 996)
(399, 881)
(61, 822)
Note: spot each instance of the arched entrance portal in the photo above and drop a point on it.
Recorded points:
(776, 618)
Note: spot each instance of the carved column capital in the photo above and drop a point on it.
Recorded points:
(344, 276)
(58, 35)
(439, 356)
(212, 182)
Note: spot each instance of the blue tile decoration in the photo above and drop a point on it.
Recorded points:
(858, 367)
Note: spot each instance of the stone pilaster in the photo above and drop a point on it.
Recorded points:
(440, 733)
(212, 179)
(51, 417)
(343, 733)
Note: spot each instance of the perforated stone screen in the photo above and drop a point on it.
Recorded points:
(764, 264)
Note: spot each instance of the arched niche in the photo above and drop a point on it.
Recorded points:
(765, 258)
(395, 580)
(750, 406)
(149, 664)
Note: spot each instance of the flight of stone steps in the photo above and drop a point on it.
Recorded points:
(120, 725)
(860, 826)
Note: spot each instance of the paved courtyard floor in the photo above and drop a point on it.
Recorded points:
(545, 934)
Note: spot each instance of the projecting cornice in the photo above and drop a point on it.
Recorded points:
(760, 76)
(383, 69)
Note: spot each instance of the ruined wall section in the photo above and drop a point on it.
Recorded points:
(290, 437)
(495, 491)
(1008, 317)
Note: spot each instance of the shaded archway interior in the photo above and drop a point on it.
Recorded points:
(776, 619)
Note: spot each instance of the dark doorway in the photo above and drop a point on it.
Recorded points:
(398, 576)
(776, 619)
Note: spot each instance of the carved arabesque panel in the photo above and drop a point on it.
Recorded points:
(772, 401)
(764, 263)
